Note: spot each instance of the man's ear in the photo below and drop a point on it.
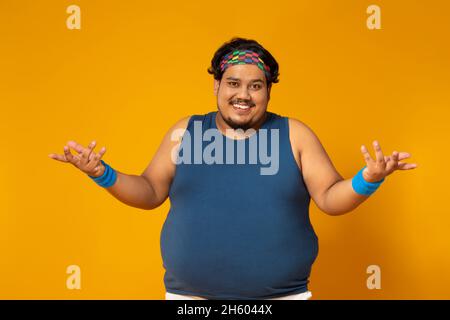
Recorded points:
(216, 86)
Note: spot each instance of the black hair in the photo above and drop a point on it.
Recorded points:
(244, 44)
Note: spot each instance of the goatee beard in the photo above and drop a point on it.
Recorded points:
(235, 125)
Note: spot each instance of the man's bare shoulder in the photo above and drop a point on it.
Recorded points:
(179, 127)
(181, 123)
(300, 133)
(298, 125)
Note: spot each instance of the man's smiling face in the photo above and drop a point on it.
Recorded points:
(242, 96)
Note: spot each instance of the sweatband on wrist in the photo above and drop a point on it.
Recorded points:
(364, 187)
(108, 178)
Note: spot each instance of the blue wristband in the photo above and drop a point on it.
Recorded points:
(364, 187)
(108, 178)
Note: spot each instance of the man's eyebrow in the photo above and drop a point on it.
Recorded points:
(237, 79)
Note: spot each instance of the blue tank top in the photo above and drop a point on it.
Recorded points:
(233, 233)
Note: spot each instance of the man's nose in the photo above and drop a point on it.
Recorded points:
(244, 94)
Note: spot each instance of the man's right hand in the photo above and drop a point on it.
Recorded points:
(87, 160)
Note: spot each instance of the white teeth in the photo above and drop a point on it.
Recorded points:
(241, 106)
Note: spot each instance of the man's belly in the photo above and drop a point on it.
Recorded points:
(248, 258)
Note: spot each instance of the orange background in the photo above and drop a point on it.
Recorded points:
(136, 67)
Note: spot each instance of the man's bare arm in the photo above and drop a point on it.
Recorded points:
(161, 170)
(340, 198)
(331, 193)
(150, 189)
(146, 191)
(135, 191)
(321, 176)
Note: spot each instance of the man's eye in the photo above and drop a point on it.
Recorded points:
(233, 84)
(256, 86)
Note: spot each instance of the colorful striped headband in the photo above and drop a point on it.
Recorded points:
(244, 57)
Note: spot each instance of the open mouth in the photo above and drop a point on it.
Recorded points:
(242, 107)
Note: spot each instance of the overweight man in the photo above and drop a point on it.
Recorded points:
(239, 180)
